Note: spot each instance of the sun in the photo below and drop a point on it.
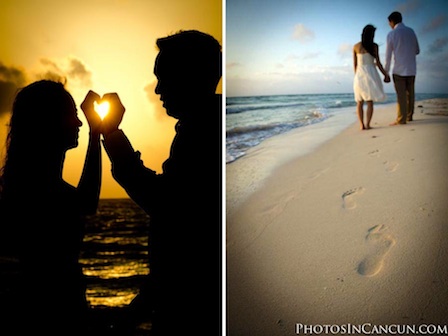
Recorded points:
(102, 108)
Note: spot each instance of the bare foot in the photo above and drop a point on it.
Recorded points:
(395, 123)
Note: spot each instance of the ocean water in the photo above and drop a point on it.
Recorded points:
(115, 252)
(251, 120)
(114, 261)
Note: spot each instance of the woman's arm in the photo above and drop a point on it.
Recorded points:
(90, 182)
(355, 59)
(378, 62)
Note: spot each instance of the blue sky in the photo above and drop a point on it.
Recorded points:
(305, 46)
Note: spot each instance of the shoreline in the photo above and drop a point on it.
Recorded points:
(353, 232)
(247, 174)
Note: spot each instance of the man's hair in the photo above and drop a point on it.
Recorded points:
(194, 51)
(395, 17)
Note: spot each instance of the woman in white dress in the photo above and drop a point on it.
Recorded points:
(367, 84)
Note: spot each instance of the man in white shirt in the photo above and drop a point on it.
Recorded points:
(402, 43)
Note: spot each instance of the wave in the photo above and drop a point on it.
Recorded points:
(307, 119)
(241, 107)
(239, 139)
(340, 104)
(246, 108)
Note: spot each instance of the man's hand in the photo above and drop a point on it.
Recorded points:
(116, 111)
(87, 106)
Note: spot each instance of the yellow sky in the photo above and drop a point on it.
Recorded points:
(106, 46)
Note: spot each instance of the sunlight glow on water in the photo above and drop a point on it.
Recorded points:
(121, 270)
(127, 269)
(115, 253)
(121, 298)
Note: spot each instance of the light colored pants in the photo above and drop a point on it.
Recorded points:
(404, 86)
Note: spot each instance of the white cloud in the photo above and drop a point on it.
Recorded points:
(345, 49)
(232, 65)
(302, 57)
(302, 34)
(309, 79)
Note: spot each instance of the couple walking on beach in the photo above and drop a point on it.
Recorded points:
(42, 215)
(402, 44)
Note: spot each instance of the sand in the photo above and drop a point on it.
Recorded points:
(354, 231)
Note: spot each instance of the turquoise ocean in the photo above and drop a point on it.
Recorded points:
(251, 120)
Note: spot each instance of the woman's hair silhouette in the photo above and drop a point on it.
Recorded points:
(43, 124)
(43, 215)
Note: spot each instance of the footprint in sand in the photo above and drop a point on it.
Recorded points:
(278, 205)
(390, 166)
(317, 174)
(379, 244)
(348, 198)
(274, 208)
(375, 153)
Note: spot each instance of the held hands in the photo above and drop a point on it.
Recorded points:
(112, 119)
(386, 78)
(116, 111)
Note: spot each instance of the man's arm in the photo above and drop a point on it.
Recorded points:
(141, 183)
(417, 47)
(389, 48)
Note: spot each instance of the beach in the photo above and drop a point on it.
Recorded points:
(350, 231)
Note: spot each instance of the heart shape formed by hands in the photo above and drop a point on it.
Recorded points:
(101, 108)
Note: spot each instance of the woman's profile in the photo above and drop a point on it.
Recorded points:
(367, 85)
(44, 213)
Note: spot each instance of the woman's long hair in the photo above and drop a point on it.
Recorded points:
(36, 114)
(367, 36)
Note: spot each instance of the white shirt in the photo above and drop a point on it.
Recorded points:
(402, 43)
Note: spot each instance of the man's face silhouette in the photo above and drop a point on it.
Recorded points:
(172, 86)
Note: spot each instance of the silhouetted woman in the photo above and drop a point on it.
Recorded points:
(367, 84)
(45, 213)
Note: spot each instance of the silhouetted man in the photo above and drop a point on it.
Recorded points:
(184, 202)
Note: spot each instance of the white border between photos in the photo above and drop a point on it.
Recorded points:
(223, 174)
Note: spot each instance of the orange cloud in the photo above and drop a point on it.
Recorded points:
(11, 78)
(69, 69)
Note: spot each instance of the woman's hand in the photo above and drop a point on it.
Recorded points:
(93, 118)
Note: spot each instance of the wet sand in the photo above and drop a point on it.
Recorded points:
(353, 232)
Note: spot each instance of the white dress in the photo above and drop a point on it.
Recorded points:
(367, 84)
